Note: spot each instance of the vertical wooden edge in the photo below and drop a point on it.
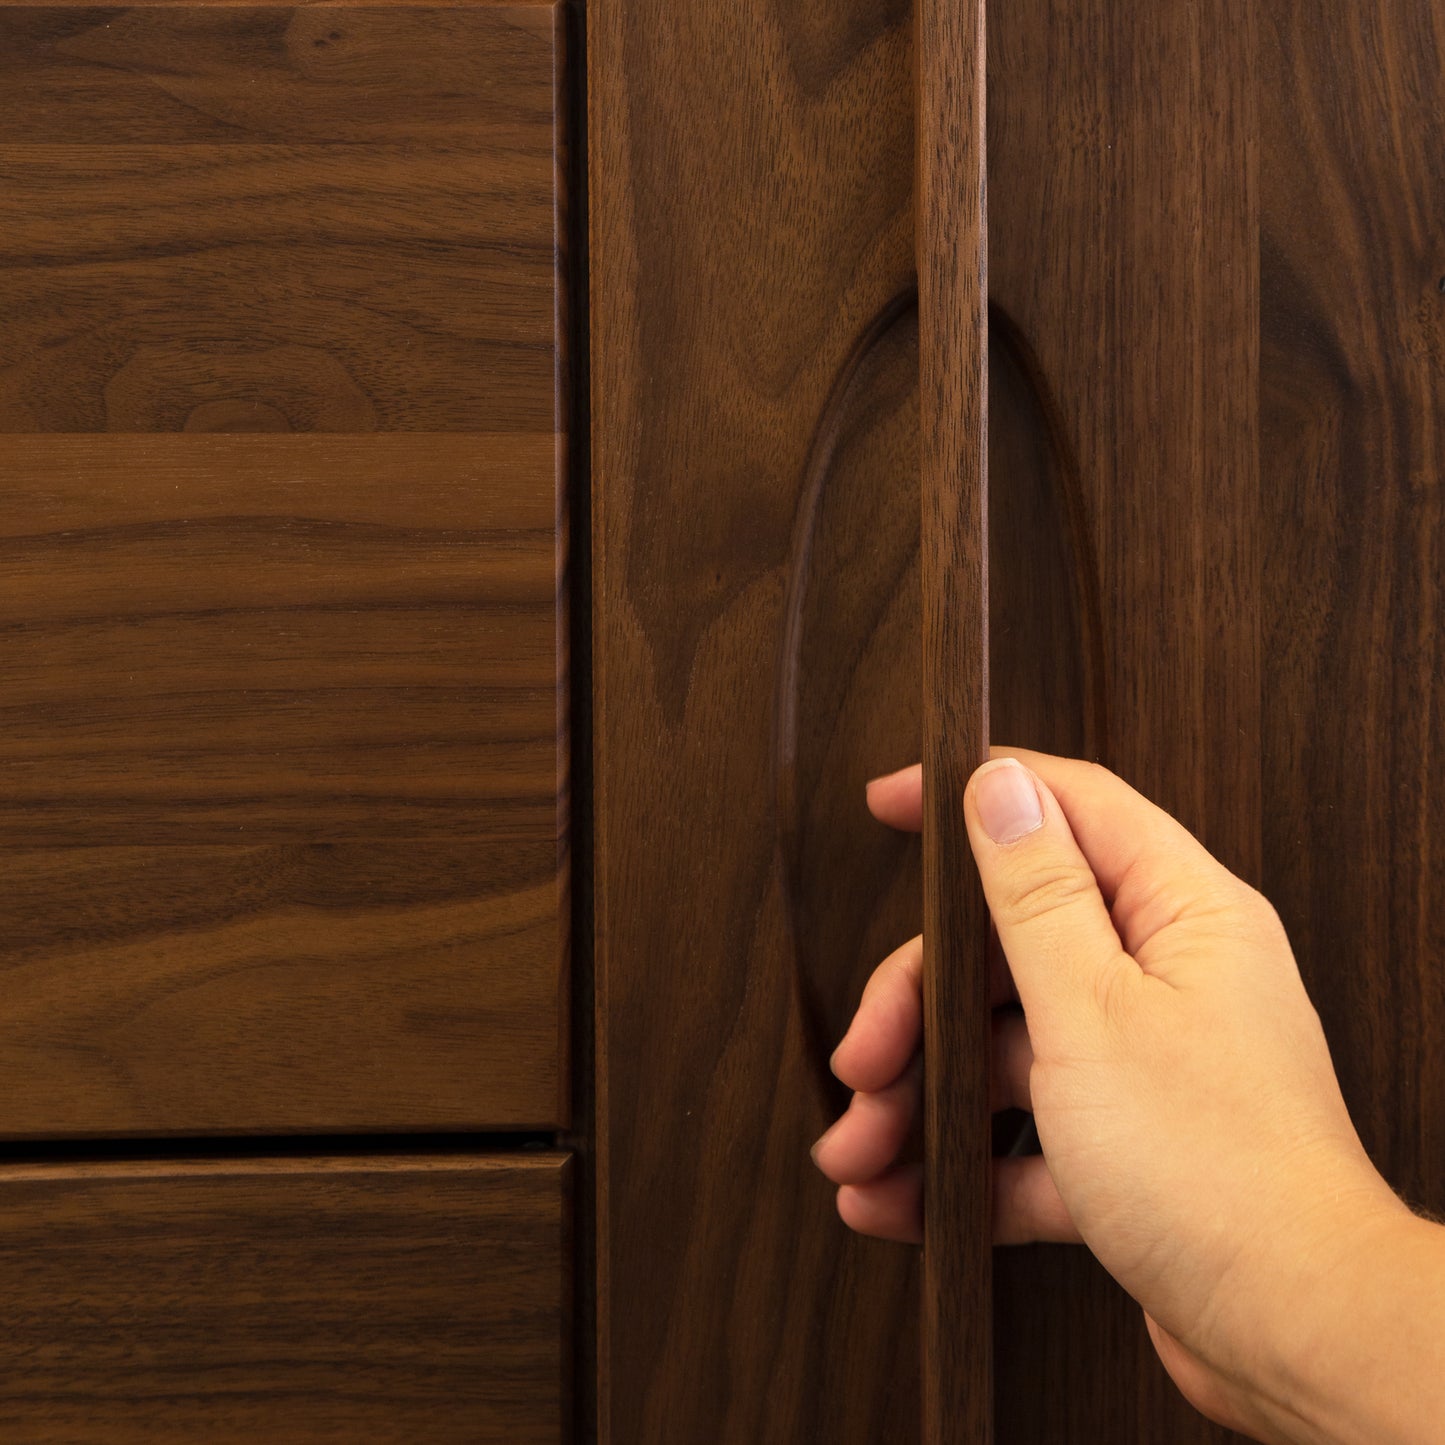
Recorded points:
(598, 32)
(576, 811)
(563, 346)
(568, 1322)
(957, 1323)
(603, 177)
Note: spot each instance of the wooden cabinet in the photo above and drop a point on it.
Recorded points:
(482, 487)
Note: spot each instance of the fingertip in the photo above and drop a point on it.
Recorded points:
(1007, 800)
(888, 1208)
(896, 799)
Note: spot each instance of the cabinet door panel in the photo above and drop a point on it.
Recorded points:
(360, 1299)
(282, 741)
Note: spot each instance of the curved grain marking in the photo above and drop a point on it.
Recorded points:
(1022, 404)
(847, 396)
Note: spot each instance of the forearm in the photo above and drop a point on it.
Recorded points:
(1367, 1367)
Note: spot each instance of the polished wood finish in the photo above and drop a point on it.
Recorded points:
(222, 220)
(1352, 444)
(953, 475)
(1208, 228)
(283, 528)
(224, 639)
(752, 264)
(1123, 254)
(376, 1299)
(1216, 376)
(474, 76)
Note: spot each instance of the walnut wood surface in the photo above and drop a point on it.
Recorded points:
(957, 1344)
(282, 543)
(1212, 251)
(750, 203)
(1352, 443)
(1123, 250)
(849, 694)
(233, 220)
(307, 1300)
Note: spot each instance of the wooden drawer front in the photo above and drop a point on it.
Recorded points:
(358, 1300)
(282, 731)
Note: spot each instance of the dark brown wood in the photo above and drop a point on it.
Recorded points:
(1352, 442)
(953, 478)
(752, 263)
(180, 73)
(180, 251)
(282, 521)
(849, 694)
(306, 1300)
(1215, 229)
(1123, 252)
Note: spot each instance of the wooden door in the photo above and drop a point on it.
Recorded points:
(1216, 374)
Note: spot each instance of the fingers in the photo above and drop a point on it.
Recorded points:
(888, 1208)
(1056, 932)
(888, 1027)
(1027, 1208)
(1150, 868)
(898, 799)
(870, 1137)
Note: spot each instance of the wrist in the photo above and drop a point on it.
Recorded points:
(1361, 1348)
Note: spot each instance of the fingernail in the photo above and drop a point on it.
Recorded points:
(1008, 801)
(822, 1140)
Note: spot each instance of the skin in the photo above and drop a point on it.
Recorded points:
(1193, 1131)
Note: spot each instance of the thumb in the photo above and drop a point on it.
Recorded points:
(1056, 932)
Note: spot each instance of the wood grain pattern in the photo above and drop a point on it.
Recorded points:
(235, 288)
(215, 639)
(473, 77)
(1123, 249)
(236, 669)
(1046, 642)
(849, 694)
(311, 987)
(953, 482)
(307, 1300)
(219, 219)
(239, 666)
(1262, 480)
(1352, 440)
(739, 263)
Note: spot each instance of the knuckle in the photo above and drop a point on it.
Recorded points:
(1257, 913)
(1039, 895)
(1114, 993)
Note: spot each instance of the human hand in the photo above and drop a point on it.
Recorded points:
(1193, 1131)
